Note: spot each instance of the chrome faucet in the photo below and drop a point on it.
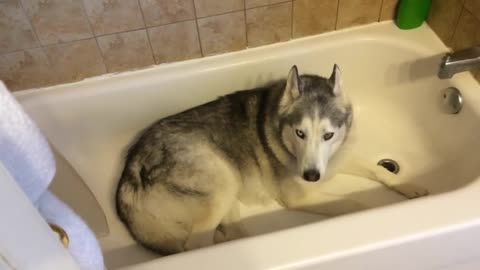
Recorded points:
(459, 61)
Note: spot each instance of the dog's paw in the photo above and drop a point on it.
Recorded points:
(410, 191)
(230, 232)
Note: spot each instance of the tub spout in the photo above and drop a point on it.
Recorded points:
(459, 61)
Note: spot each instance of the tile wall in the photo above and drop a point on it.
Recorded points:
(48, 42)
(457, 23)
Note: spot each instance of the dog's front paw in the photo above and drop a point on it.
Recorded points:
(410, 191)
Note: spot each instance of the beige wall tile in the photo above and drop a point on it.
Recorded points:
(172, 31)
(112, 16)
(175, 42)
(443, 18)
(467, 33)
(127, 50)
(312, 17)
(4, 69)
(388, 9)
(259, 3)
(357, 12)
(159, 12)
(270, 24)
(58, 20)
(474, 7)
(26, 69)
(223, 33)
(15, 30)
(214, 7)
(75, 60)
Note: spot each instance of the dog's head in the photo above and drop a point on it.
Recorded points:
(315, 117)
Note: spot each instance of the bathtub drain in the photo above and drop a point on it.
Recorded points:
(452, 100)
(389, 164)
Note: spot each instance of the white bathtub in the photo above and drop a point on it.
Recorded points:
(390, 77)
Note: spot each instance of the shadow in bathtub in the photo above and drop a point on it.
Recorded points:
(282, 219)
(460, 166)
(127, 256)
(452, 174)
(259, 224)
(414, 70)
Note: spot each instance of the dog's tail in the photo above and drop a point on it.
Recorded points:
(129, 186)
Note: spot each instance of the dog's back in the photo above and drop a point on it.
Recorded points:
(185, 165)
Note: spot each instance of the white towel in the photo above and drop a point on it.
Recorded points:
(83, 245)
(28, 157)
(23, 149)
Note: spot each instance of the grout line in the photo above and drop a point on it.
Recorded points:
(103, 57)
(87, 38)
(141, 13)
(198, 29)
(95, 36)
(90, 26)
(165, 24)
(381, 10)
(452, 35)
(223, 13)
(474, 17)
(150, 46)
(457, 23)
(246, 24)
(146, 31)
(336, 18)
(21, 50)
(118, 32)
(283, 2)
(30, 23)
(5, 76)
(292, 21)
(234, 11)
(34, 30)
(67, 42)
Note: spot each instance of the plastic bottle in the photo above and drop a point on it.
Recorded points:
(412, 13)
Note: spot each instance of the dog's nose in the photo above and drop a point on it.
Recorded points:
(311, 175)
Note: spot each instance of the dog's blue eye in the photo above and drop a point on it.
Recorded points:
(327, 136)
(300, 134)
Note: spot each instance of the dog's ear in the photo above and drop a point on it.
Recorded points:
(335, 80)
(292, 88)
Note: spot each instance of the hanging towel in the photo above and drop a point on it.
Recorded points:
(25, 153)
(83, 245)
(23, 149)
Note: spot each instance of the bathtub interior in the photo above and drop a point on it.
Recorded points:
(391, 83)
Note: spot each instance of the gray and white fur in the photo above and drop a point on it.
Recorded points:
(186, 173)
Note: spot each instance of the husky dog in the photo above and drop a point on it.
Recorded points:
(185, 174)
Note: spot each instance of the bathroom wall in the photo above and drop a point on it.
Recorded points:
(48, 42)
(457, 23)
